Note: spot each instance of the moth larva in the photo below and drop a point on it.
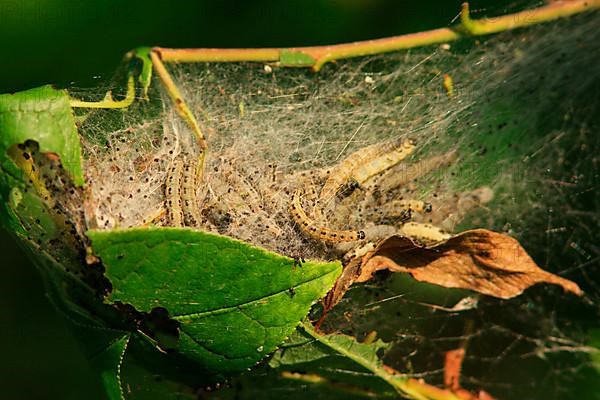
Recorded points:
(347, 211)
(22, 156)
(425, 232)
(375, 233)
(403, 174)
(191, 213)
(382, 163)
(320, 232)
(245, 190)
(396, 208)
(382, 156)
(341, 172)
(380, 232)
(173, 194)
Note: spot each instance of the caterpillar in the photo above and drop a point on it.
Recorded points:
(341, 172)
(396, 177)
(180, 192)
(191, 212)
(424, 232)
(22, 156)
(359, 166)
(319, 232)
(396, 208)
(59, 202)
(360, 159)
(173, 194)
(245, 190)
(382, 163)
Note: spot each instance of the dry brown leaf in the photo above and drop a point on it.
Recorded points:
(480, 260)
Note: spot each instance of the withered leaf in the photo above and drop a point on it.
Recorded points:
(481, 260)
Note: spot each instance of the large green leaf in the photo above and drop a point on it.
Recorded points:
(235, 303)
(337, 358)
(42, 114)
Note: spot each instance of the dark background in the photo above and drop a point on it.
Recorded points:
(75, 43)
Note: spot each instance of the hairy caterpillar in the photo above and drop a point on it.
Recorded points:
(173, 194)
(396, 208)
(424, 232)
(180, 192)
(396, 177)
(191, 212)
(380, 164)
(359, 162)
(319, 232)
(22, 155)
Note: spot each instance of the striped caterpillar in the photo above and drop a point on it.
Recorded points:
(319, 232)
(424, 232)
(173, 193)
(403, 208)
(180, 192)
(358, 166)
(191, 212)
(382, 163)
(404, 174)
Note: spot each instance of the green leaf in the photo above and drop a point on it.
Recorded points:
(42, 114)
(338, 358)
(235, 303)
(310, 347)
(264, 383)
(303, 347)
(108, 364)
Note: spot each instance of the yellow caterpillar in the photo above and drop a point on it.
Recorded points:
(191, 212)
(173, 193)
(319, 232)
(379, 164)
(365, 163)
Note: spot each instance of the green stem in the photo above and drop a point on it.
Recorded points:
(317, 56)
(108, 101)
(180, 105)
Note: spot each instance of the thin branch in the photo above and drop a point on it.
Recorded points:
(317, 56)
